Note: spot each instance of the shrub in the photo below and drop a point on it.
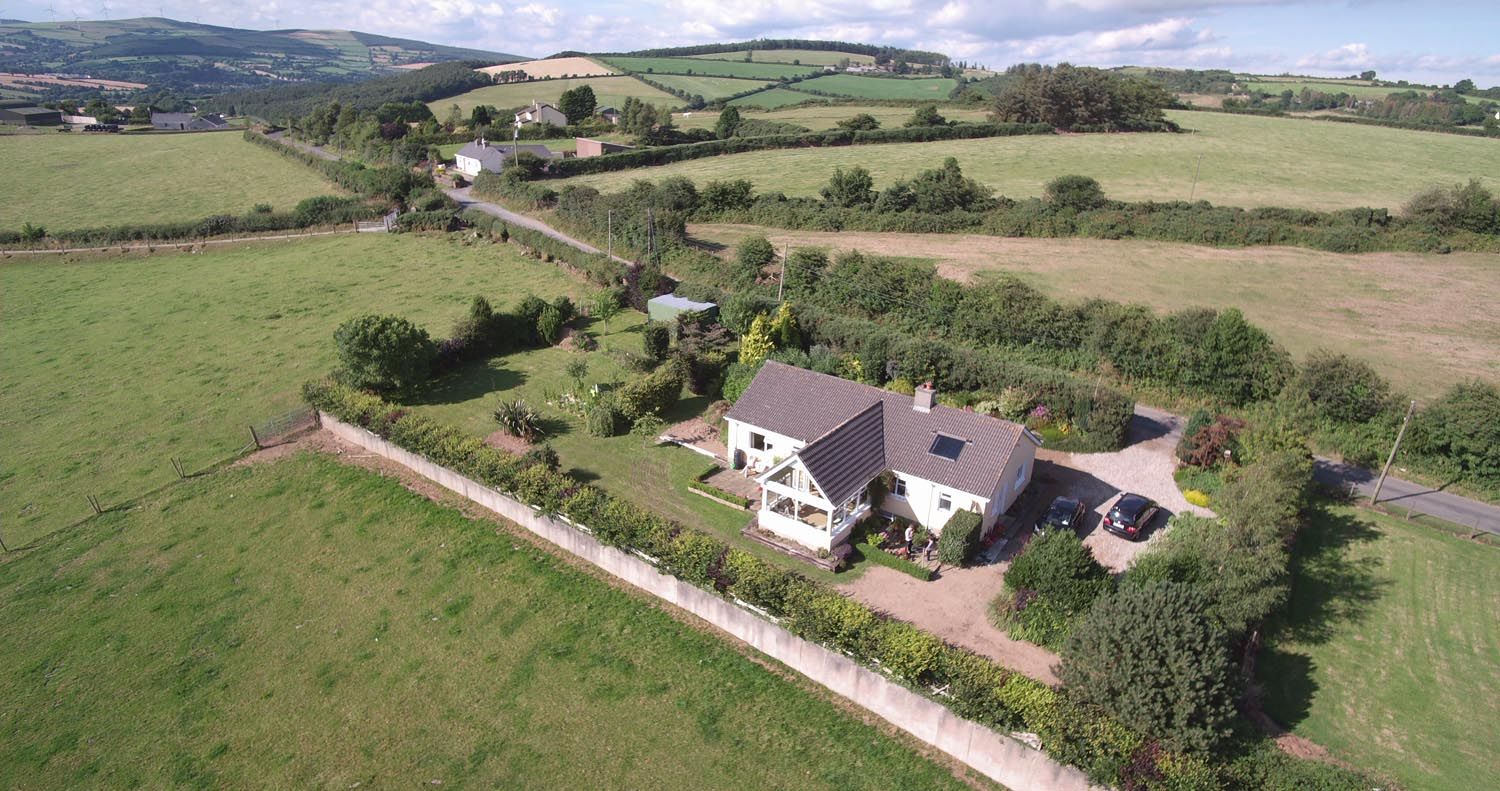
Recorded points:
(908, 651)
(752, 256)
(650, 394)
(1061, 570)
(1463, 426)
(960, 538)
(518, 419)
(383, 353)
(549, 325)
(1196, 497)
(736, 378)
(1342, 388)
(655, 341)
(1079, 193)
(1154, 659)
(601, 416)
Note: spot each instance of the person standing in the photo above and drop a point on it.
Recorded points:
(911, 536)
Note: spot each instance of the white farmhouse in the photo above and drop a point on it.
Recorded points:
(482, 155)
(541, 113)
(816, 442)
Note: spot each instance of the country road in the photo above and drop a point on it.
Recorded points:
(1414, 496)
(465, 198)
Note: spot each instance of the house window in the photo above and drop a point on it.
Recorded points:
(898, 488)
(757, 441)
(1021, 478)
(944, 504)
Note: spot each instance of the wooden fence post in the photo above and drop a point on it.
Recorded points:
(254, 438)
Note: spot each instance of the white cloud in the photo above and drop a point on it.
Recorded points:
(1349, 56)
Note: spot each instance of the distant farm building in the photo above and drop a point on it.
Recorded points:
(30, 116)
(609, 114)
(588, 147)
(541, 113)
(187, 122)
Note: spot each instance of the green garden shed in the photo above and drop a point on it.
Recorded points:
(667, 307)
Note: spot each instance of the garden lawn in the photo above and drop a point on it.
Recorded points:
(115, 363)
(810, 57)
(75, 181)
(636, 468)
(1246, 161)
(935, 88)
(607, 91)
(304, 624)
(709, 88)
(712, 68)
(1390, 651)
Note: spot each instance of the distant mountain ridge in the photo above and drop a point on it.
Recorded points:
(191, 58)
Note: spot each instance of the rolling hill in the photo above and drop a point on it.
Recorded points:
(186, 57)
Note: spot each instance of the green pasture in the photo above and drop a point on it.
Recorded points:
(70, 181)
(609, 91)
(116, 363)
(1235, 160)
(856, 86)
(796, 57)
(305, 624)
(711, 68)
(776, 97)
(709, 88)
(827, 116)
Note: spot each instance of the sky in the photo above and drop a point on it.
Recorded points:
(1440, 41)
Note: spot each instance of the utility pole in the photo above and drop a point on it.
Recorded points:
(1375, 498)
(785, 259)
(1196, 171)
(609, 233)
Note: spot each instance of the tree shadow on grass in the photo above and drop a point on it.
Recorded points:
(471, 381)
(686, 409)
(1330, 592)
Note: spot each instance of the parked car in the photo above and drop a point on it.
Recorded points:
(1065, 513)
(1130, 516)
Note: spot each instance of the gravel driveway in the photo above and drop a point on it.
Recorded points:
(1144, 467)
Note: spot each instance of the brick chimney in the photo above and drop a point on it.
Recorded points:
(924, 398)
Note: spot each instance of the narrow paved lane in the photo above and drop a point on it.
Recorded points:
(465, 198)
(1421, 499)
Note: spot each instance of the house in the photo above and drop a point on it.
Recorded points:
(187, 122)
(80, 120)
(482, 155)
(588, 147)
(609, 114)
(667, 307)
(30, 116)
(541, 113)
(816, 442)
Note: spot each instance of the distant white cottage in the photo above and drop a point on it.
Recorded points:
(482, 155)
(816, 442)
(541, 113)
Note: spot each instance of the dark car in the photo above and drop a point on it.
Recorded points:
(1130, 516)
(1065, 513)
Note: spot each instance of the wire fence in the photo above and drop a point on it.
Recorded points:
(275, 430)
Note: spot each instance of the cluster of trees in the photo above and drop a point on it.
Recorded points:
(1440, 108)
(883, 54)
(1081, 99)
(934, 191)
(282, 103)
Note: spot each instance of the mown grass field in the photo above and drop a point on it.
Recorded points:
(1246, 161)
(304, 624)
(1423, 321)
(607, 90)
(75, 181)
(804, 57)
(853, 85)
(827, 116)
(775, 97)
(115, 363)
(709, 88)
(1389, 654)
(712, 68)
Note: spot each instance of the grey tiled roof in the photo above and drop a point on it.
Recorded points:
(492, 156)
(847, 457)
(806, 405)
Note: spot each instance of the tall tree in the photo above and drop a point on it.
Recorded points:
(578, 104)
(728, 123)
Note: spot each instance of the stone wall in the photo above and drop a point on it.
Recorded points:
(993, 754)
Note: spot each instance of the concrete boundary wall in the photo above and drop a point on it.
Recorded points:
(995, 755)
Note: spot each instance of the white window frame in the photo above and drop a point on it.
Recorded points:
(898, 487)
(945, 503)
(758, 441)
(1021, 478)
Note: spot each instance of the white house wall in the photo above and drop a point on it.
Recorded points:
(778, 446)
(1022, 458)
(921, 502)
(467, 165)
